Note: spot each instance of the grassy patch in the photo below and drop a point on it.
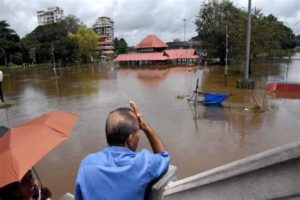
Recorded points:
(296, 49)
(10, 66)
(5, 105)
(181, 96)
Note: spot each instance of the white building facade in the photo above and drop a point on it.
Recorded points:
(215, 1)
(51, 15)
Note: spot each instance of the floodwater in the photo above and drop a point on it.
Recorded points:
(198, 138)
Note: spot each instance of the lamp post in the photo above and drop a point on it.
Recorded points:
(53, 58)
(1, 92)
(246, 69)
(246, 83)
(184, 20)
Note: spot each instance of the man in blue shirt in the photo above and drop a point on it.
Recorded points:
(118, 172)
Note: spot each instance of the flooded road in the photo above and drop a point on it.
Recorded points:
(198, 138)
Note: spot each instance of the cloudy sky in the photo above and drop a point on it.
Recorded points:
(134, 19)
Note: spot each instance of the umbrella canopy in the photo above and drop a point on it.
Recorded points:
(23, 146)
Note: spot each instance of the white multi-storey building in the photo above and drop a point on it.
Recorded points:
(51, 15)
(216, 1)
(104, 27)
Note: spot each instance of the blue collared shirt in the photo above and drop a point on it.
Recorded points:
(117, 173)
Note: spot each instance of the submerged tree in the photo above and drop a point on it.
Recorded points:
(211, 27)
(120, 45)
(268, 34)
(87, 41)
(51, 40)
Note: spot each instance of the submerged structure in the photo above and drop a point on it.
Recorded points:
(152, 50)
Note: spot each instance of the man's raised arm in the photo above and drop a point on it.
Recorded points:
(156, 144)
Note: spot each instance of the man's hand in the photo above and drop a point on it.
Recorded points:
(156, 145)
(142, 124)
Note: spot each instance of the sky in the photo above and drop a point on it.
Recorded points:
(135, 19)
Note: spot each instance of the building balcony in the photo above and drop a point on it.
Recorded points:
(106, 48)
(107, 52)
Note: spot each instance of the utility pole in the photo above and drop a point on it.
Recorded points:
(1, 91)
(53, 58)
(184, 20)
(246, 83)
(246, 67)
(226, 58)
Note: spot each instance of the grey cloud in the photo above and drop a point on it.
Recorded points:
(163, 18)
(285, 10)
(134, 19)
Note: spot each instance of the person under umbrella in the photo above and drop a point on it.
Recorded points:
(23, 146)
(26, 189)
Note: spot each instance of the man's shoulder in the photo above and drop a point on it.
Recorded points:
(147, 153)
(92, 158)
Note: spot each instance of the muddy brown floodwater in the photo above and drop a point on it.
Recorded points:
(198, 138)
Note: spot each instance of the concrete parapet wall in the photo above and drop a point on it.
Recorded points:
(274, 174)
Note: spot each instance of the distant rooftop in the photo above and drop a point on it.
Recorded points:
(151, 41)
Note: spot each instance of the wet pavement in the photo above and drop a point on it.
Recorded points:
(198, 138)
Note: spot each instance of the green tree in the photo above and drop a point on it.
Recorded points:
(297, 38)
(87, 41)
(40, 45)
(8, 44)
(116, 43)
(72, 23)
(211, 27)
(268, 34)
(122, 46)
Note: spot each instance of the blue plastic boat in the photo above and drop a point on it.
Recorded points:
(209, 98)
(214, 98)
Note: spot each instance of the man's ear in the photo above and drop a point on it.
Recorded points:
(129, 140)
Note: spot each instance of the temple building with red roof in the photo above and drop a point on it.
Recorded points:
(152, 50)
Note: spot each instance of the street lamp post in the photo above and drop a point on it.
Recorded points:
(1, 92)
(246, 69)
(246, 83)
(53, 58)
(184, 20)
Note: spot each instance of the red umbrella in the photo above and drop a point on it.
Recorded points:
(23, 146)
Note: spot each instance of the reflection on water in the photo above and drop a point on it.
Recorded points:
(214, 113)
(198, 138)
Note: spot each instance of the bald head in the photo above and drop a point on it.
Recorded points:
(120, 124)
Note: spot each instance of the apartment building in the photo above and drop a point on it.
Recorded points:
(216, 1)
(51, 15)
(104, 27)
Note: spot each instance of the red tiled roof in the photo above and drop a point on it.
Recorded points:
(151, 41)
(141, 56)
(170, 54)
(180, 53)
